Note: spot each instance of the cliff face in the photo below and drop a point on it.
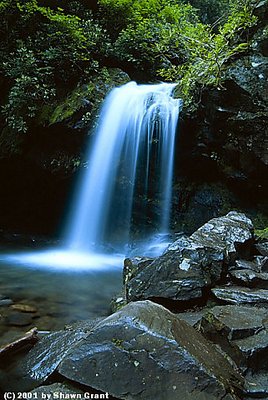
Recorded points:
(223, 151)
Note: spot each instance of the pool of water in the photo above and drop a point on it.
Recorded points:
(49, 289)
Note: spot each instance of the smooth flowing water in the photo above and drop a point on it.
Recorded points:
(129, 160)
(132, 153)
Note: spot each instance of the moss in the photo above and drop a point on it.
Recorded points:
(88, 96)
(214, 321)
(262, 233)
(61, 111)
(118, 342)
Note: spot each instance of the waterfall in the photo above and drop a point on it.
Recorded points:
(129, 163)
(132, 150)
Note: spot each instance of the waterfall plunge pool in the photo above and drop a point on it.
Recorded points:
(57, 287)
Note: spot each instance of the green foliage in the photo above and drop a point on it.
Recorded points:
(209, 52)
(48, 52)
(42, 51)
(262, 233)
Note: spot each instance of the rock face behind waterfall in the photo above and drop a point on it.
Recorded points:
(190, 265)
(223, 157)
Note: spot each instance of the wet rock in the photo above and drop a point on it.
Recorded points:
(250, 278)
(133, 265)
(44, 358)
(233, 322)
(24, 308)
(262, 248)
(190, 265)
(118, 302)
(253, 350)
(192, 318)
(258, 264)
(240, 332)
(256, 384)
(232, 233)
(5, 302)
(172, 276)
(19, 319)
(241, 295)
(49, 392)
(145, 352)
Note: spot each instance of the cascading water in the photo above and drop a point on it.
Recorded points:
(135, 136)
(131, 158)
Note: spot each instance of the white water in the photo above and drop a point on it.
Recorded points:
(135, 135)
(131, 155)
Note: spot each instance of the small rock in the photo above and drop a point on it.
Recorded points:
(5, 302)
(24, 308)
(256, 384)
(262, 248)
(232, 321)
(19, 319)
(118, 302)
(241, 295)
(253, 350)
(245, 264)
(240, 332)
(250, 278)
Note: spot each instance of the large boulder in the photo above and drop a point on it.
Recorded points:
(193, 264)
(145, 352)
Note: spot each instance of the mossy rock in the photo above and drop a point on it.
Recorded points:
(81, 104)
(262, 233)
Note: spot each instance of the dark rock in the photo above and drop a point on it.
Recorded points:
(145, 352)
(232, 233)
(134, 265)
(262, 261)
(233, 322)
(250, 278)
(49, 392)
(172, 276)
(253, 350)
(196, 203)
(241, 295)
(262, 248)
(5, 302)
(190, 265)
(256, 384)
(118, 302)
(192, 318)
(258, 264)
(44, 358)
(19, 319)
(240, 332)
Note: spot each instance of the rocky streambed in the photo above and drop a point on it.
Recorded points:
(190, 324)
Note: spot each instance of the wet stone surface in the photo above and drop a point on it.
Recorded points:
(144, 337)
(192, 264)
(241, 295)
